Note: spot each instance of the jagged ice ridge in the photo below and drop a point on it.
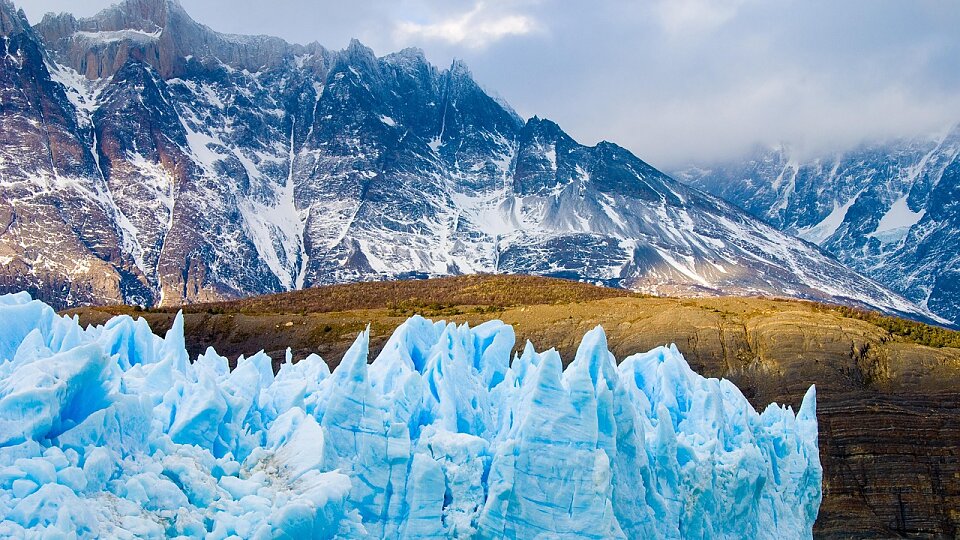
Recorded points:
(113, 431)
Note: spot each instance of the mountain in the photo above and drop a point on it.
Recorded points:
(888, 210)
(152, 160)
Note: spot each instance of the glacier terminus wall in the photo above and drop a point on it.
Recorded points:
(111, 431)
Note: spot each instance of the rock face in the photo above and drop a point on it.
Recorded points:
(887, 210)
(177, 164)
(57, 217)
(159, 33)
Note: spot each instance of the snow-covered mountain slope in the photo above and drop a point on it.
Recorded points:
(111, 431)
(887, 210)
(176, 164)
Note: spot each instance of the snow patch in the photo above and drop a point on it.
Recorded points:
(104, 37)
(897, 221)
(820, 232)
(551, 155)
(687, 268)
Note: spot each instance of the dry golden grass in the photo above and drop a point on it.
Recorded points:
(727, 333)
(490, 291)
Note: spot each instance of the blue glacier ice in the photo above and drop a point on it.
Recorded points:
(112, 431)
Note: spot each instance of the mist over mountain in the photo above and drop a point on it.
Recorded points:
(886, 209)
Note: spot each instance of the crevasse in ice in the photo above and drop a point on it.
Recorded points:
(111, 431)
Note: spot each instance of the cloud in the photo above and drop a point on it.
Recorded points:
(683, 17)
(807, 113)
(476, 28)
(675, 81)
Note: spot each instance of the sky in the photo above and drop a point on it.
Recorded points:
(678, 82)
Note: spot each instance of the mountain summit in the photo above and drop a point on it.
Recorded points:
(149, 159)
(157, 32)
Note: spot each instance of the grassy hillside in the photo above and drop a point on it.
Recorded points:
(728, 336)
(889, 403)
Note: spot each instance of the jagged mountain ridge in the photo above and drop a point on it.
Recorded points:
(887, 209)
(250, 165)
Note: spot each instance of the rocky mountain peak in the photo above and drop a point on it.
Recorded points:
(413, 54)
(459, 78)
(12, 20)
(410, 60)
(459, 69)
(541, 129)
(357, 56)
(143, 15)
(160, 32)
(356, 49)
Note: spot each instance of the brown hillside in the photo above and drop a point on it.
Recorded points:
(889, 406)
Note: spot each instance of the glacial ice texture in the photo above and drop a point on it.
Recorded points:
(111, 431)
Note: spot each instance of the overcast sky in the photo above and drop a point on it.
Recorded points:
(675, 81)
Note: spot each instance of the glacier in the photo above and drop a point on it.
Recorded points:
(112, 431)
